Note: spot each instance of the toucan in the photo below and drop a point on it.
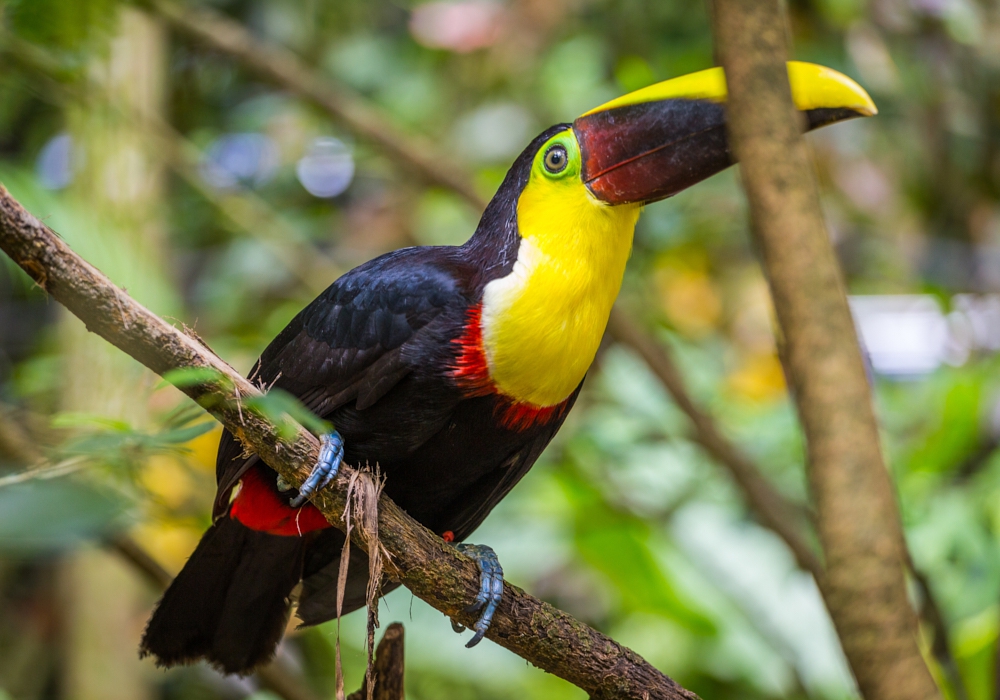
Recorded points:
(451, 367)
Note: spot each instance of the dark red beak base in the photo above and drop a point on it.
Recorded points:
(648, 151)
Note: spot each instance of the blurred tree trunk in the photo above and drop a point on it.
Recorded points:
(857, 516)
(119, 185)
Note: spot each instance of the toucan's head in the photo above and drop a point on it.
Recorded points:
(558, 232)
(655, 142)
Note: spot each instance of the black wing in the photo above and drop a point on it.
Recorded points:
(356, 340)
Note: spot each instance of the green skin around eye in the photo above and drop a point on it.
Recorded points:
(570, 164)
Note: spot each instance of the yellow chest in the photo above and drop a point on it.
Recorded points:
(542, 323)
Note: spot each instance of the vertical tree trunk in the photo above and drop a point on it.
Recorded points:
(119, 185)
(856, 510)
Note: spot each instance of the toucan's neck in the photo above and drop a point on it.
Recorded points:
(493, 247)
(543, 321)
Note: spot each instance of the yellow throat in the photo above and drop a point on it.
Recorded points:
(543, 322)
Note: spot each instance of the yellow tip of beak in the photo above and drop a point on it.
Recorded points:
(813, 87)
(819, 87)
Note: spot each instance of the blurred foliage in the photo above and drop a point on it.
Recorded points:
(625, 522)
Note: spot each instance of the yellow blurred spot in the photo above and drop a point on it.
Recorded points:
(167, 480)
(170, 542)
(752, 314)
(759, 378)
(689, 300)
(204, 449)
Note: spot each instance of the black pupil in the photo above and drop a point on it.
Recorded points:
(555, 159)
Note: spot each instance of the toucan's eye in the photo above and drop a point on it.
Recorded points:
(556, 159)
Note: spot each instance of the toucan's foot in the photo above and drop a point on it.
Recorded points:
(331, 453)
(490, 589)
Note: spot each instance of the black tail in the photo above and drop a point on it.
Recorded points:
(229, 605)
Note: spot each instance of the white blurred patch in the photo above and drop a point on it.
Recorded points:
(240, 160)
(457, 26)
(910, 335)
(493, 132)
(327, 168)
(905, 335)
(979, 317)
(56, 164)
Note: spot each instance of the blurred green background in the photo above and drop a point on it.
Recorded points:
(226, 204)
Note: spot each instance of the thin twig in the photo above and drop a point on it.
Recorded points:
(44, 472)
(280, 66)
(389, 668)
(432, 569)
(243, 210)
(932, 616)
(774, 510)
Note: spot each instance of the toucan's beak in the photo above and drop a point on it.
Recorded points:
(655, 142)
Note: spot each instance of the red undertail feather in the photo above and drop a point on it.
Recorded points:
(472, 373)
(261, 507)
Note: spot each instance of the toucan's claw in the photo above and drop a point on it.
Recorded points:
(331, 454)
(490, 589)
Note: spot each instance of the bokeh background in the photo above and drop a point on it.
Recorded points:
(225, 204)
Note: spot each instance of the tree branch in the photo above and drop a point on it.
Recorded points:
(857, 517)
(433, 570)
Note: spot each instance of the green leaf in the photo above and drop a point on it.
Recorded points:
(957, 434)
(179, 436)
(181, 415)
(71, 420)
(278, 405)
(51, 515)
(617, 544)
(192, 376)
(64, 25)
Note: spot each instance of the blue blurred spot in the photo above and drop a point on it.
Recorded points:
(236, 160)
(327, 168)
(55, 164)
